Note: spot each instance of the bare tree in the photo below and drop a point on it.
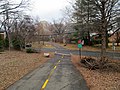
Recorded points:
(8, 11)
(38, 28)
(107, 14)
(58, 28)
(26, 30)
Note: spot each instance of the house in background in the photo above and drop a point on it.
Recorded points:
(2, 34)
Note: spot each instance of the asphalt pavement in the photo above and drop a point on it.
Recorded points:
(60, 49)
(57, 74)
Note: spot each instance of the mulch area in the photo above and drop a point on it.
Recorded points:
(99, 79)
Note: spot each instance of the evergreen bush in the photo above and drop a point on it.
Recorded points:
(16, 44)
(29, 50)
(6, 42)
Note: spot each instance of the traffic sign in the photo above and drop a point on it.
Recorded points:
(79, 45)
(79, 41)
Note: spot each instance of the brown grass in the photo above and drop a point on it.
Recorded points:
(97, 79)
(46, 45)
(14, 65)
(75, 47)
(88, 48)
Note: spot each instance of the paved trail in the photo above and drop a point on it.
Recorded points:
(57, 74)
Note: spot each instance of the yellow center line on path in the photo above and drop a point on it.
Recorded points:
(44, 85)
(49, 76)
(62, 56)
(55, 67)
(59, 61)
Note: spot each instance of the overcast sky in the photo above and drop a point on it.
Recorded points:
(48, 9)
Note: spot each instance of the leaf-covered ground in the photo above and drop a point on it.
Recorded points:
(98, 79)
(15, 64)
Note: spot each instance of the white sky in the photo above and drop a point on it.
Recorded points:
(48, 9)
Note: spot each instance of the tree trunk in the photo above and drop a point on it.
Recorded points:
(117, 38)
(9, 41)
(103, 48)
(104, 33)
(89, 43)
(43, 40)
(107, 41)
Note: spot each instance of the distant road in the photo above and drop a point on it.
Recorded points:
(60, 49)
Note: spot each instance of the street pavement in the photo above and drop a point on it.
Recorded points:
(57, 74)
(60, 49)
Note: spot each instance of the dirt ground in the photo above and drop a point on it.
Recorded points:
(96, 79)
(15, 64)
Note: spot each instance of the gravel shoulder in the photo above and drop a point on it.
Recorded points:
(96, 79)
(15, 64)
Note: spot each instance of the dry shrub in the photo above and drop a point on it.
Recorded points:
(96, 63)
(107, 78)
(113, 66)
